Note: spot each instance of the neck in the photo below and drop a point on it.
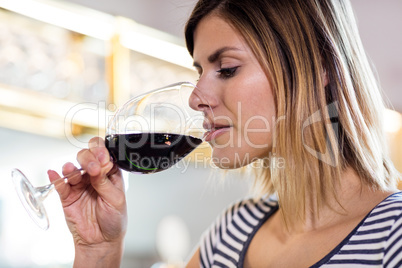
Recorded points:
(353, 199)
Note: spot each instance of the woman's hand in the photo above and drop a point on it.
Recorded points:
(94, 207)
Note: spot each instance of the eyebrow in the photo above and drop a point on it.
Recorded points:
(215, 56)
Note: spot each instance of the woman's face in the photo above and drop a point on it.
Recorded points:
(236, 87)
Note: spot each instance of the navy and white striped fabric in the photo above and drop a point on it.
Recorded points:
(375, 242)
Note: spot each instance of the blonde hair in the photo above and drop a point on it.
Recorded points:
(327, 127)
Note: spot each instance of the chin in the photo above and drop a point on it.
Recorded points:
(234, 159)
(230, 161)
(223, 165)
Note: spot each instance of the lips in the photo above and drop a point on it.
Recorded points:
(215, 131)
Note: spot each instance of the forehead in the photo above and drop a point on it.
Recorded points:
(213, 33)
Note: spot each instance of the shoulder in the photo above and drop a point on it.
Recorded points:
(247, 210)
(376, 241)
(386, 221)
(391, 209)
(227, 236)
(387, 213)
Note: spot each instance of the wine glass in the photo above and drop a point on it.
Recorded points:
(148, 134)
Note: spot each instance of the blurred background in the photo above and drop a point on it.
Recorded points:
(66, 66)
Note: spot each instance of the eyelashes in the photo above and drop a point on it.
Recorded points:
(226, 73)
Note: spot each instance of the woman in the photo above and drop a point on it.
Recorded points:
(291, 89)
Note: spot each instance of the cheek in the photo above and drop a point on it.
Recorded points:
(251, 103)
(258, 124)
(245, 144)
(258, 113)
(256, 131)
(255, 95)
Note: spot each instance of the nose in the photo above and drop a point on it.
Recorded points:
(197, 102)
(200, 102)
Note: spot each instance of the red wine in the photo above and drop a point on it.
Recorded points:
(149, 152)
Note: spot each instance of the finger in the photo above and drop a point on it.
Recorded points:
(116, 177)
(111, 190)
(72, 173)
(62, 188)
(98, 148)
(96, 161)
(89, 162)
(110, 184)
(92, 166)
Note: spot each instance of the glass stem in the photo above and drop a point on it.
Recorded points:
(43, 191)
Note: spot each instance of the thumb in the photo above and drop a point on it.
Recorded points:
(62, 188)
(106, 186)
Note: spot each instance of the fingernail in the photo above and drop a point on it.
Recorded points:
(92, 166)
(102, 158)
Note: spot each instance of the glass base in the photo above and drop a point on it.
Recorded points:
(30, 199)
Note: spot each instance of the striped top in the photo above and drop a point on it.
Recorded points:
(375, 242)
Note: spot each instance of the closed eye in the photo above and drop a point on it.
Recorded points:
(226, 73)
